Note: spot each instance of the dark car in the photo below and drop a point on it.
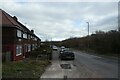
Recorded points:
(67, 55)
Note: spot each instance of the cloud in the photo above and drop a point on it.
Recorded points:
(61, 0)
(61, 20)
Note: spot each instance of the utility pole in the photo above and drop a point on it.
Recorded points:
(51, 42)
(119, 17)
(119, 27)
(88, 34)
(88, 28)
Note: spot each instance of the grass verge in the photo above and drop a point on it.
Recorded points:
(28, 68)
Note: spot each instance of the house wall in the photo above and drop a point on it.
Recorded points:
(18, 46)
(8, 35)
(11, 42)
(7, 40)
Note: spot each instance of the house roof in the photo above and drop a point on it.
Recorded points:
(9, 21)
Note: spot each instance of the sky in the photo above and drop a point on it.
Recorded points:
(59, 20)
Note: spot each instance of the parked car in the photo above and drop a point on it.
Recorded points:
(55, 48)
(67, 55)
(62, 49)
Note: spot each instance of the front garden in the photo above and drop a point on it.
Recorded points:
(30, 68)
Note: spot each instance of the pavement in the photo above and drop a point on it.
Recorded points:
(84, 66)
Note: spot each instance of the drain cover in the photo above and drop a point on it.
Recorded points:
(65, 66)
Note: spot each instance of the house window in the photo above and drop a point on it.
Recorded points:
(33, 46)
(28, 36)
(25, 47)
(29, 47)
(19, 33)
(18, 50)
(31, 36)
(35, 39)
(25, 35)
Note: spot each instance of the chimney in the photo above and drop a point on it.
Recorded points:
(32, 31)
(15, 18)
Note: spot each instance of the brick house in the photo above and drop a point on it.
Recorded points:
(16, 38)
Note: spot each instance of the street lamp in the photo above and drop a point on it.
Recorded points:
(88, 33)
(88, 27)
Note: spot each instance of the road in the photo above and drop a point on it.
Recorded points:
(84, 66)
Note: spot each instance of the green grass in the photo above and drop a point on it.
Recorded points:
(24, 69)
(27, 68)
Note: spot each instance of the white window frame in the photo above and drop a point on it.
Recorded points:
(35, 39)
(18, 50)
(29, 47)
(26, 47)
(33, 46)
(19, 33)
(25, 35)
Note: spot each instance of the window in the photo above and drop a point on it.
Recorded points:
(35, 39)
(25, 35)
(18, 50)
(19, 33)
(28, 36)
(29, 47)
(25, 47)
(31, 36)
(33, 46)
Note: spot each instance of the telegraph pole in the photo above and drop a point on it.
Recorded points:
(88, 33)
(88, 28)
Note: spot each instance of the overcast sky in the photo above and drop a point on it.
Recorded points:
(61, 20)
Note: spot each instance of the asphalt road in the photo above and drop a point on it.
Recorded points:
(103, 67)
(84, 66)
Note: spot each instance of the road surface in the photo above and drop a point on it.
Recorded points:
(84, 66)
